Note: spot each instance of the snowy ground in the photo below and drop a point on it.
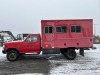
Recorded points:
(58, 64)
(2, 56)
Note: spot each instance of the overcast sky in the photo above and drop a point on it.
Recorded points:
(24, 16)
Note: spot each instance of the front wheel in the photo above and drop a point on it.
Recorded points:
(70, 54)
(12, 55)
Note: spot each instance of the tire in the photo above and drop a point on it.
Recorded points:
(70, 54)
(12, 55)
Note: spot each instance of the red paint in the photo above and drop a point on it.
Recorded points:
(70, 39)
(55, 40)
(24, 46)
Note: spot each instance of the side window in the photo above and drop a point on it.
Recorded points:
(48, 29)
(75, 29)
(61, 29)
(58, 29)
(32, 39)
(78, 28)
(72, 28)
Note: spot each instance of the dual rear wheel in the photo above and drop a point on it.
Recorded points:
(69, 53)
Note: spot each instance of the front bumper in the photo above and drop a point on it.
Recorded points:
(4, 52)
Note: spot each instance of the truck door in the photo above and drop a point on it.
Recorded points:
(48, 33)
(48, 37)
(33, 43)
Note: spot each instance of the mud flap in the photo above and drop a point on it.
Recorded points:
(81, 51)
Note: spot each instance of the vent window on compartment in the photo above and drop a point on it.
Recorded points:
(61, 29)
(75, 28)
(48, 29)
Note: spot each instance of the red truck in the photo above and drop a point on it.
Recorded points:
(57, 36)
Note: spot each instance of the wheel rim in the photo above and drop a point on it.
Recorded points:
(12, 56)
(71, 54)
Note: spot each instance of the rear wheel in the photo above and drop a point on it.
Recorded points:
(70, 54)
(12, 55)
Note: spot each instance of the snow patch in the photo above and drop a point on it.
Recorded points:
(87, 65)
(30, 74)
(2, 56)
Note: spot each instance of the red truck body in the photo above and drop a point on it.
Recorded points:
(63, 35)
(80, 39)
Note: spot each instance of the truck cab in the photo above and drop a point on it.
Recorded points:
(32, 44)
